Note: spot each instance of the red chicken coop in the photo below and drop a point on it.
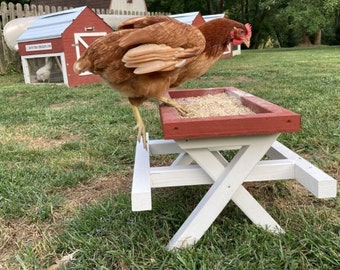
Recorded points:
(193, 18)
(53, 42)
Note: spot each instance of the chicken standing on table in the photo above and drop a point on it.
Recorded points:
(148, 55)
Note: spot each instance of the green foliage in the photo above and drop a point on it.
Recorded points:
(178, 6)
(278, 23)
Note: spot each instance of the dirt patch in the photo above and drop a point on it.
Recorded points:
(21, 136)
(92, 191)
(47, 143)
(16, 234)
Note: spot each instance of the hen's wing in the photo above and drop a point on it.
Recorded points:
(160, 43)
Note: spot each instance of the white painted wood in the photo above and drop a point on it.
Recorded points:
(316, 181)
(180, 175)
(254, 211)
(220, 158)
(141, 184)
(163, 147)
(268, 170)
(182, 159)
(207, 161)
(213, 144)
(312, 178)
(185, 175)
(200, 162)
(221, 191)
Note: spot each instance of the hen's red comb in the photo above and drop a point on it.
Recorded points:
(248, 27)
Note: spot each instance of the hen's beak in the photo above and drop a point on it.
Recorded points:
(246, 42)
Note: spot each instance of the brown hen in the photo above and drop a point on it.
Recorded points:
(149, 55)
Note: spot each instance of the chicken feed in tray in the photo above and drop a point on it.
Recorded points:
(211, 105)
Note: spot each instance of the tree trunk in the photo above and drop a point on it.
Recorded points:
(305, 39)
(317, 37)
(220, 6)
(209, 6)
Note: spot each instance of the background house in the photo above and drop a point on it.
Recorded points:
(126, 5)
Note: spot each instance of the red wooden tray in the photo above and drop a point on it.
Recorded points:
(268, 118)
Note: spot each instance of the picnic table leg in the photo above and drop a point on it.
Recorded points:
(222, 190)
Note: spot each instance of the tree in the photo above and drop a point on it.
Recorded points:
(283, 23)
(288, 23)
(310, 18)
(182, 6)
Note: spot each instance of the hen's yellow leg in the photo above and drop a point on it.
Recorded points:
(140, 125)
(174, 104)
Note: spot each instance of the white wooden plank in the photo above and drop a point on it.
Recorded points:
(268, 170)
(254, 211)
(312, 178)
(182, 159)
(218, 143)
(182, 175)
(163, 147)
(141, 185)
(185, 175)
(316, 181)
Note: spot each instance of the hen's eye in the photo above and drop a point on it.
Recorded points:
(241, 32)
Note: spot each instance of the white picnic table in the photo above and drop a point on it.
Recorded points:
(200, 162)
(200, 145)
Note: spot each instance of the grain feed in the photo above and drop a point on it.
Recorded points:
(213, 105)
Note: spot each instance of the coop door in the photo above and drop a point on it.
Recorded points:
(44, 68)
(82, 42)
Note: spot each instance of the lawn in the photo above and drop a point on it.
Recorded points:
(66, 166)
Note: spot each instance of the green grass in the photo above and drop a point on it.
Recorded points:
(55, 142)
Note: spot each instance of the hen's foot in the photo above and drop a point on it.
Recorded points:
(141, 133)
(140, 125)
(174, 104)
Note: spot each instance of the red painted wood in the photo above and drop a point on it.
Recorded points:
(198, 20)
(268, 118)
(57, 46)
(86, 19)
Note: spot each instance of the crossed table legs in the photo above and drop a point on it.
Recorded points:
(201, 162)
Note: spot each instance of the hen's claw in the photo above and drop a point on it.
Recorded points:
(141, 133)
(174, 104)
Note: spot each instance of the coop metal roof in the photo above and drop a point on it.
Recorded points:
(187, 18)
(50, 25)
(213, 16)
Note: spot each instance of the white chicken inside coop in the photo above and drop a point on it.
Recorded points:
(44, 73)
